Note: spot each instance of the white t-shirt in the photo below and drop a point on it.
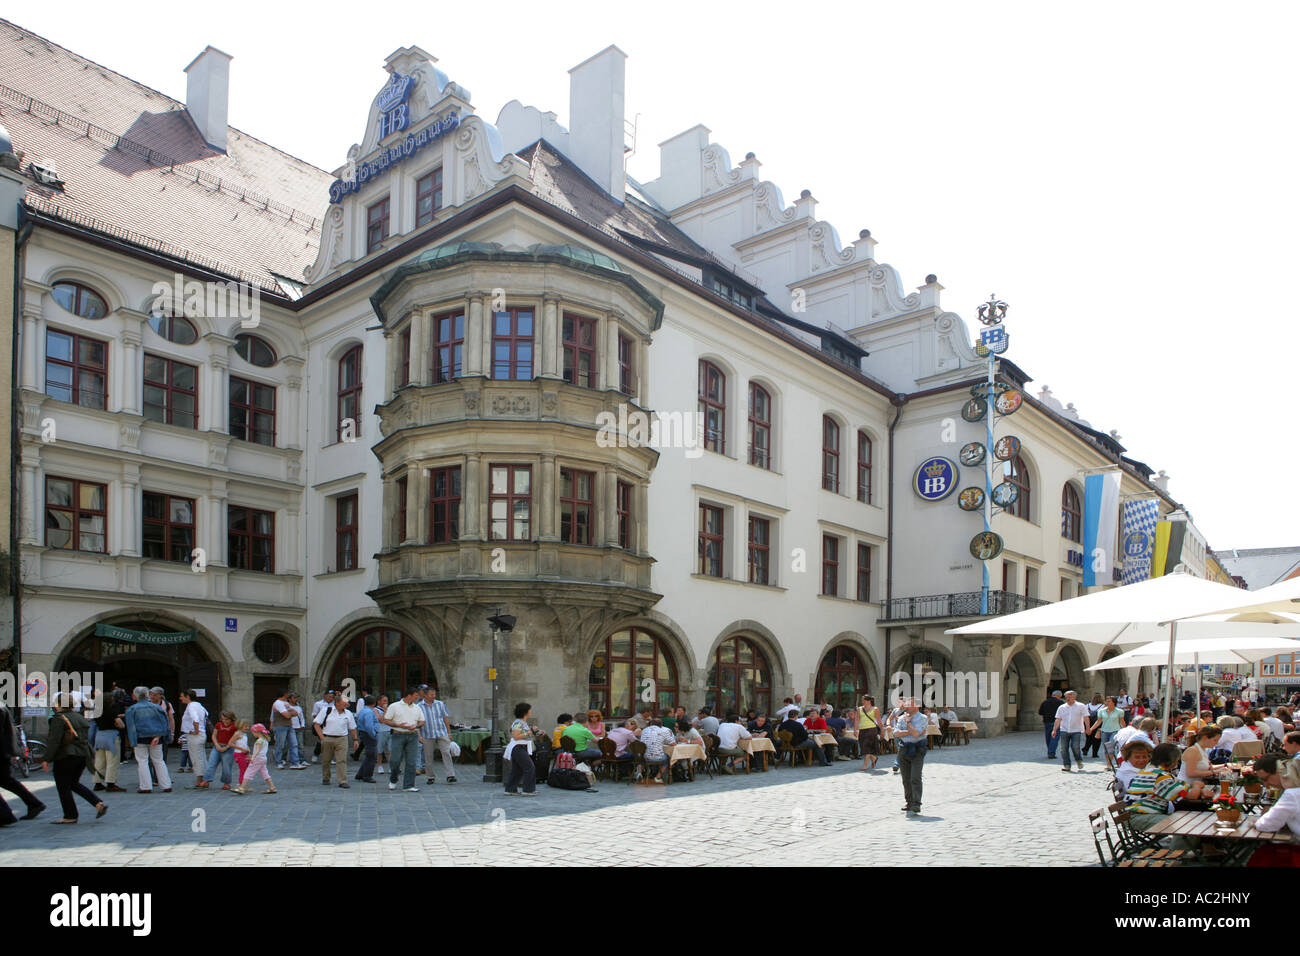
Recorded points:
(730, 733)
(1125, 734)
(949, 715)
(194, 718)
(239, 740)
(1125, 774)
(780, 714)
(1284, 813)
(334, 723)
(1276, 726)
(260, 747)
(1073, 717)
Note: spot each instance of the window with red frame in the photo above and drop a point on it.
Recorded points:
(711, 540)
(399, 533)
(623, 509)
(376, 225)
(713, 407)
(830, 454)
(345, 532)
(428, 197)
(404, 346)
(510, 502)
(252, 411)
(76, 369)
(171, 392)
(76, 515)
(349, 392)
(512, 345)
(250, 537)
(864, 467)
(577, 492)
(167, 527)
(1071, 514)
(1015, 472)
(864, 572)
(579, 351)
(830, 565)
(760, 543)
(444, 505)
(79, 300)
(448, 346)
(760, 426)
(626, 380)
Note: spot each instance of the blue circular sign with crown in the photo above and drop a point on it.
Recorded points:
(935, 479)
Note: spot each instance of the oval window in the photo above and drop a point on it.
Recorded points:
(254, 350)
(174, 328)
(80, 300)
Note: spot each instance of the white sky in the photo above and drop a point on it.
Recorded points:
(1124, 175)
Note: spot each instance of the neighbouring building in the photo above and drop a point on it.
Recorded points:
(283, 426)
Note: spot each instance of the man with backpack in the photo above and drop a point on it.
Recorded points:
(910, 735)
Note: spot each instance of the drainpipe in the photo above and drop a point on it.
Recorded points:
(15, 438)
(898, 401)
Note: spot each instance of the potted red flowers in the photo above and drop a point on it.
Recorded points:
(1251, 783)
(1225, 808)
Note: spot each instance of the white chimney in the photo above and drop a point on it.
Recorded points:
(1161, 481)
(207, 94)
(596, 119)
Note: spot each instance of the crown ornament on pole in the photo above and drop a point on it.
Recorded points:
(993, 311)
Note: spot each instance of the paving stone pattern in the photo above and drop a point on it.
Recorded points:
(995, 802)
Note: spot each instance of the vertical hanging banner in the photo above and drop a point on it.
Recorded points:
(1168, 551)
(1100, 523)
(1137, 538)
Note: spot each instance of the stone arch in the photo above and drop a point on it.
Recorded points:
(767, 640)
(875, 679)
(1029, 686)
(664, 628)
(352, 624)
(290, 665)
(1111, 680)
(1072, 659)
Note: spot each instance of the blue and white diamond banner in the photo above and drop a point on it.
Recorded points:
(1138, 538)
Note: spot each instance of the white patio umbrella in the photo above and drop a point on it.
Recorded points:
(1137, 614)
(1274, 601)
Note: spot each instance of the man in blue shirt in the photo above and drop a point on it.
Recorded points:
(909, 734)
(368, 731)
(435, 733)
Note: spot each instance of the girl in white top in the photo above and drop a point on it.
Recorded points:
(1195, 766)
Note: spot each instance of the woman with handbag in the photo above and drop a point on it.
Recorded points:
(869, 731)
(69, 750)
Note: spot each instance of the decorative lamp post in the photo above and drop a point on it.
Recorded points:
(993, 342)
(492, 759)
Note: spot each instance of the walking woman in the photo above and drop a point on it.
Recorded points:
(1107, 722)
(69, 750)
(869, 731)
(519, 752)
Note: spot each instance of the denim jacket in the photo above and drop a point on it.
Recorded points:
(144, 721)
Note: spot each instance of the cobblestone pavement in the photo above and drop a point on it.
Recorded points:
(994, 802)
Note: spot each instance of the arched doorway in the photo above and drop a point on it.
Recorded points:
(632, 669)
(136, 653)
(739, 678)
(841, 678)
(925, 670)
(1024, 692)
(382, 660)
(1113, 680)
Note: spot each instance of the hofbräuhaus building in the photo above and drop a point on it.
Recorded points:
(284, 426)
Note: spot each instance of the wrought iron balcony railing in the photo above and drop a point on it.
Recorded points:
(963, 604)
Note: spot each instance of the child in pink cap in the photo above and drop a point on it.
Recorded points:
(257, 762)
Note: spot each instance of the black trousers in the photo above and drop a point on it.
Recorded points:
(521, 769)
(368, 746)
(67, 778)
(11, 783)
(911, 768)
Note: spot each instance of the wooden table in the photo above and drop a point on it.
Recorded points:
(688, 752)
(1240, 841)
(964, 727)
(758, 745)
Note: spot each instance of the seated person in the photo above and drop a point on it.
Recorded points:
(1153, 787)
(707, 724)
(1290, 769)
(1284, 813)
(1195, 767)
(948, 714)
(1275, 726)
(730, 734)
(799, 739)
(655, 737)
(759, 727)
(815, 723)
(624, 735)
(686, 734)
(1136, 754)
(595, 723)
(584, 742)
(563, 723)
(838, 726)
(643, 719)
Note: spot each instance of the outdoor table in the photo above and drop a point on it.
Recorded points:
(1239, 842)
(688, 752)
(824, 740)
(758, 745)
(964, 727)
(470, 741)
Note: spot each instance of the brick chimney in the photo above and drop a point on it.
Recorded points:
(207, 95)
(596, 119)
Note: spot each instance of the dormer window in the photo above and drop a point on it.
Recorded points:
(730, 291)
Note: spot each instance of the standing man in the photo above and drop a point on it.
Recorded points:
(405, 719)
(368, 733)
(1071, 721)
(146, 727)
(910, 735)
(194, 723)
(158, 696)
(434, 733)
(333, 728)
(282, 713)
(317, 709)
(1125, 704)
(1047, 710)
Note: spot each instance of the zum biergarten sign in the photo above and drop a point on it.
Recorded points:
(144, 637)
